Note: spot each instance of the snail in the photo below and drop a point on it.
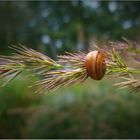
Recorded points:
(54, 74)
(95, 64)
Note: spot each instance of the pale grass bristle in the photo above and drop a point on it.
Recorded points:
(70, 68)
(54, 74)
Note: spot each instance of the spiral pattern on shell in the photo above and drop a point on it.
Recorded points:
(95, 65)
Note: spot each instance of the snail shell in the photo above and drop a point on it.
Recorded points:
(95, 65)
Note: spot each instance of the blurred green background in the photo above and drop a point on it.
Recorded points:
(89, 110)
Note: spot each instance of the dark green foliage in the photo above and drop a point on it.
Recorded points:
(91, 110)
(56, 26)
(95, 111)
(16, 104)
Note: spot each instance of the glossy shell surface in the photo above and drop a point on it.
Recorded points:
(95, 65)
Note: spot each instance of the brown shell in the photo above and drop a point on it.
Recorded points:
(95, 65)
